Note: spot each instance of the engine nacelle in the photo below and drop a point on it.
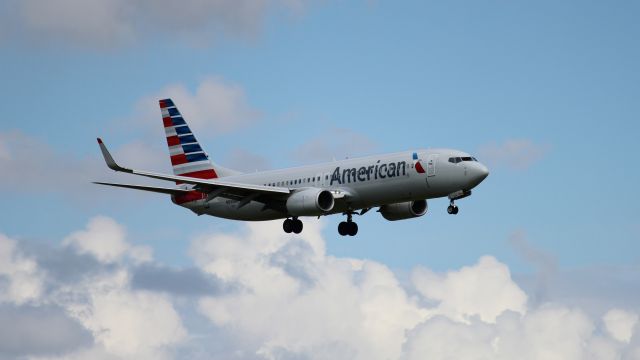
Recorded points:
(310, 202)
(404, 210)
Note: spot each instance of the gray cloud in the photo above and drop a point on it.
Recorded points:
(64, 265)
(545, 264)
(293, 258)
(182, 282)
(105, 24)
(246, 161)
(39, 330)
(24, 159)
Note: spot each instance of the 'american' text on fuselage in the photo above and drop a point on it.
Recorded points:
(365, 173)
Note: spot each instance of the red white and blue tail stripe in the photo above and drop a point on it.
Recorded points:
(187, 157)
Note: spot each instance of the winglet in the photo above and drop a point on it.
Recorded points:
(109, 159)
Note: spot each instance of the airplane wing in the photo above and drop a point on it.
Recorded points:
(170, 191)
(214, 187)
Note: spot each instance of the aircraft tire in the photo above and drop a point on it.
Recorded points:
(342, 228)
(297, 226)
(450, 210)
(287, 226)
(455, 210)
(353, 228)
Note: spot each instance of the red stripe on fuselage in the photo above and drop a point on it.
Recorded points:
(188, 197)
(178, 159)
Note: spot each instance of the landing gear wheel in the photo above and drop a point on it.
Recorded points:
(452, 209)
(455, 210)
(353, 229)
(342, 228)
(287, 226)
(347, 228)
(297, 226)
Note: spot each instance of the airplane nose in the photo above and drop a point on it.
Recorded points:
(478, 174)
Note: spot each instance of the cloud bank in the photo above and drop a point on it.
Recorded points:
(262, 294)
(106, 24)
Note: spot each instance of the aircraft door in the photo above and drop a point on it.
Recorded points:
(431, 165)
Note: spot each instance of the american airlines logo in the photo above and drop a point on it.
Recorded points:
(367, 173)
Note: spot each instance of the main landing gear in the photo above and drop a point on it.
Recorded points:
(348, 227)
(292, 226)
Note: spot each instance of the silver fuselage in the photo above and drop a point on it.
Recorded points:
(357, 183)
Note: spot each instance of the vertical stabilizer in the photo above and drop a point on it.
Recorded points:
(187, 157)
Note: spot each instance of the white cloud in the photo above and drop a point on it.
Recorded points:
(544, 333)
(484, 290)
(105, 240)
(517, 154)
(262, 294)
(25, 159)
(620, 324)
(112, 23)
(133, 324)
(334, 144)
(215, 107)
(20, 278)
(325, 306)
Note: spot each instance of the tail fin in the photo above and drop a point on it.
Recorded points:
(187, 157)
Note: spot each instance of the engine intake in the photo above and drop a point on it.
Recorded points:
(404, 210)
(310, 202)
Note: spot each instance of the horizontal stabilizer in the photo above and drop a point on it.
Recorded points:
(171, 191)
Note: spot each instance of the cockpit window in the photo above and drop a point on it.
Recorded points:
(455, 160)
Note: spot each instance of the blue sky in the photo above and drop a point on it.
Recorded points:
(546, 93)
(460, 75)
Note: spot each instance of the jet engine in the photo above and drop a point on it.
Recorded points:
(404, 210)
(310, 202)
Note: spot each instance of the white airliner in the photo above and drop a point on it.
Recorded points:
(398, 184)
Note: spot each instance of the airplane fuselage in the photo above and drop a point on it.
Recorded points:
(365, 182)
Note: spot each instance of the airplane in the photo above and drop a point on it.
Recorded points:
(398, 184)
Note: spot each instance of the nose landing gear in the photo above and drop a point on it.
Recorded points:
(452, 208)
(292, 225)
(348, 227)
